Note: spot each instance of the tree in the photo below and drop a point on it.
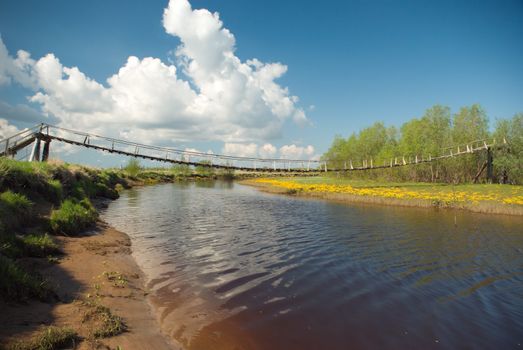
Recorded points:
(508, 161)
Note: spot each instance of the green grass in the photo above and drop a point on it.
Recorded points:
(48, 339)
(73, 217)
(34, 245)
(15, 209)
(30, 178)
(16, 284)
(39, 245)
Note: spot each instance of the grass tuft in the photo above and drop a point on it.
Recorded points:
(73, 217)
(17, 285)
(107, 324)
(48, 339)
(15, 209)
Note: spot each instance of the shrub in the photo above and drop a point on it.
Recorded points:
(16, 284)
(73, 216)
(15, 209)
(39, 245)
(133, 167)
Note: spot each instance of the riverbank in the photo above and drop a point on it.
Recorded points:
(489, 199)
(66, 278)
(100, 296)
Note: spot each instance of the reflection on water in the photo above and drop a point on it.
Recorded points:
(232, 268)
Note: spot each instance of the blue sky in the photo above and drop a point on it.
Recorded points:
(350, 63)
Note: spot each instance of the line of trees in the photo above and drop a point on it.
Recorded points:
(434, 134)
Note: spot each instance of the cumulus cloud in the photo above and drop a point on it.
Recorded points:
(7, 129)
(240, 150)
(267, 151)
(218, 96)
(297, 152)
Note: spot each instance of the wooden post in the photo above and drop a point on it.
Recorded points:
(274, 165)
(391, 162)
(45, 153)
(351, 167)
(35, 153)
(325, 166)
(371, 163)
(404, 162)
(490, 166)
(416, 159)
(308, 165)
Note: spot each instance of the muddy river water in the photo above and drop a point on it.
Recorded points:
(230, 267)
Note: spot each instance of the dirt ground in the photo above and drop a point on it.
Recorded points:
(95, 271)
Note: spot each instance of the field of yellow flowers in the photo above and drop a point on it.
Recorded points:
(438, 195)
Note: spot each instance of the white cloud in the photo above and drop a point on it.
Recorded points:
(7, 129)
(240, 150)
(221, 98)
(297, 152)
(267, 151)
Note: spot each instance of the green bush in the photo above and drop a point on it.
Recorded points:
(15, 209)
(39, 245)
(30, 245)
(73, 217)
(133, 167)
(16, 284)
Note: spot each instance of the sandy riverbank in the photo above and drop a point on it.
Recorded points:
(96, 269)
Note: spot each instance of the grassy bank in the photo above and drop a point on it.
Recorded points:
(499, 199)
(40, 203)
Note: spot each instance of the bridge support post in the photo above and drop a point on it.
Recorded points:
(45, 152)
(490, 166)
(35, 153)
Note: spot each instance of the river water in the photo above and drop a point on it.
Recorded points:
(230, 267)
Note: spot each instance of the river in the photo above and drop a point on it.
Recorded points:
(229, 267)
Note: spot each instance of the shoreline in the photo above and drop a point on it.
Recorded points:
(96, 269)
(481, 208)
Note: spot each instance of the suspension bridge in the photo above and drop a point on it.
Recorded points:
(38, 140)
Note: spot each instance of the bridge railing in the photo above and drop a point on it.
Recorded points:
(172, 155)
(10, 145)
(24, 138)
